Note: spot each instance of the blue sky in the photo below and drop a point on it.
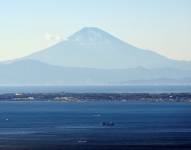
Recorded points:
(163, 26)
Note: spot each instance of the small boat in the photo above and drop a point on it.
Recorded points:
(108, 124)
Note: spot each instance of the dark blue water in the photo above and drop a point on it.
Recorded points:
(57, 125)
(98, 89)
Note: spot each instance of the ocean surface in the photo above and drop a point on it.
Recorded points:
(97, 89)
(78, 126)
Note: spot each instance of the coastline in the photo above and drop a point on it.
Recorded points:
(88, 97)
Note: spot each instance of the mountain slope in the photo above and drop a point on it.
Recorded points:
(94, 48)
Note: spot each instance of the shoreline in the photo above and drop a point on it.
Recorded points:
(88, 97)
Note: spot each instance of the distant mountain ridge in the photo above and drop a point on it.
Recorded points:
(30, 72)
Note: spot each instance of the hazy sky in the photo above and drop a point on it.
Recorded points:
(163, 26)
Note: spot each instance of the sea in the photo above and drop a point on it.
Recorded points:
(53, 125)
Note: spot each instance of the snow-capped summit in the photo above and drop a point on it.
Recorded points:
(90, 35)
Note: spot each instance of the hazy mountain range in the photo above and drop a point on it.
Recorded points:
(92, 56)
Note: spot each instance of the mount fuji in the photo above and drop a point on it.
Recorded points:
(94, 48)
(92, 56)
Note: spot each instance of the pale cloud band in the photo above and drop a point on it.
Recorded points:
(52, 37)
